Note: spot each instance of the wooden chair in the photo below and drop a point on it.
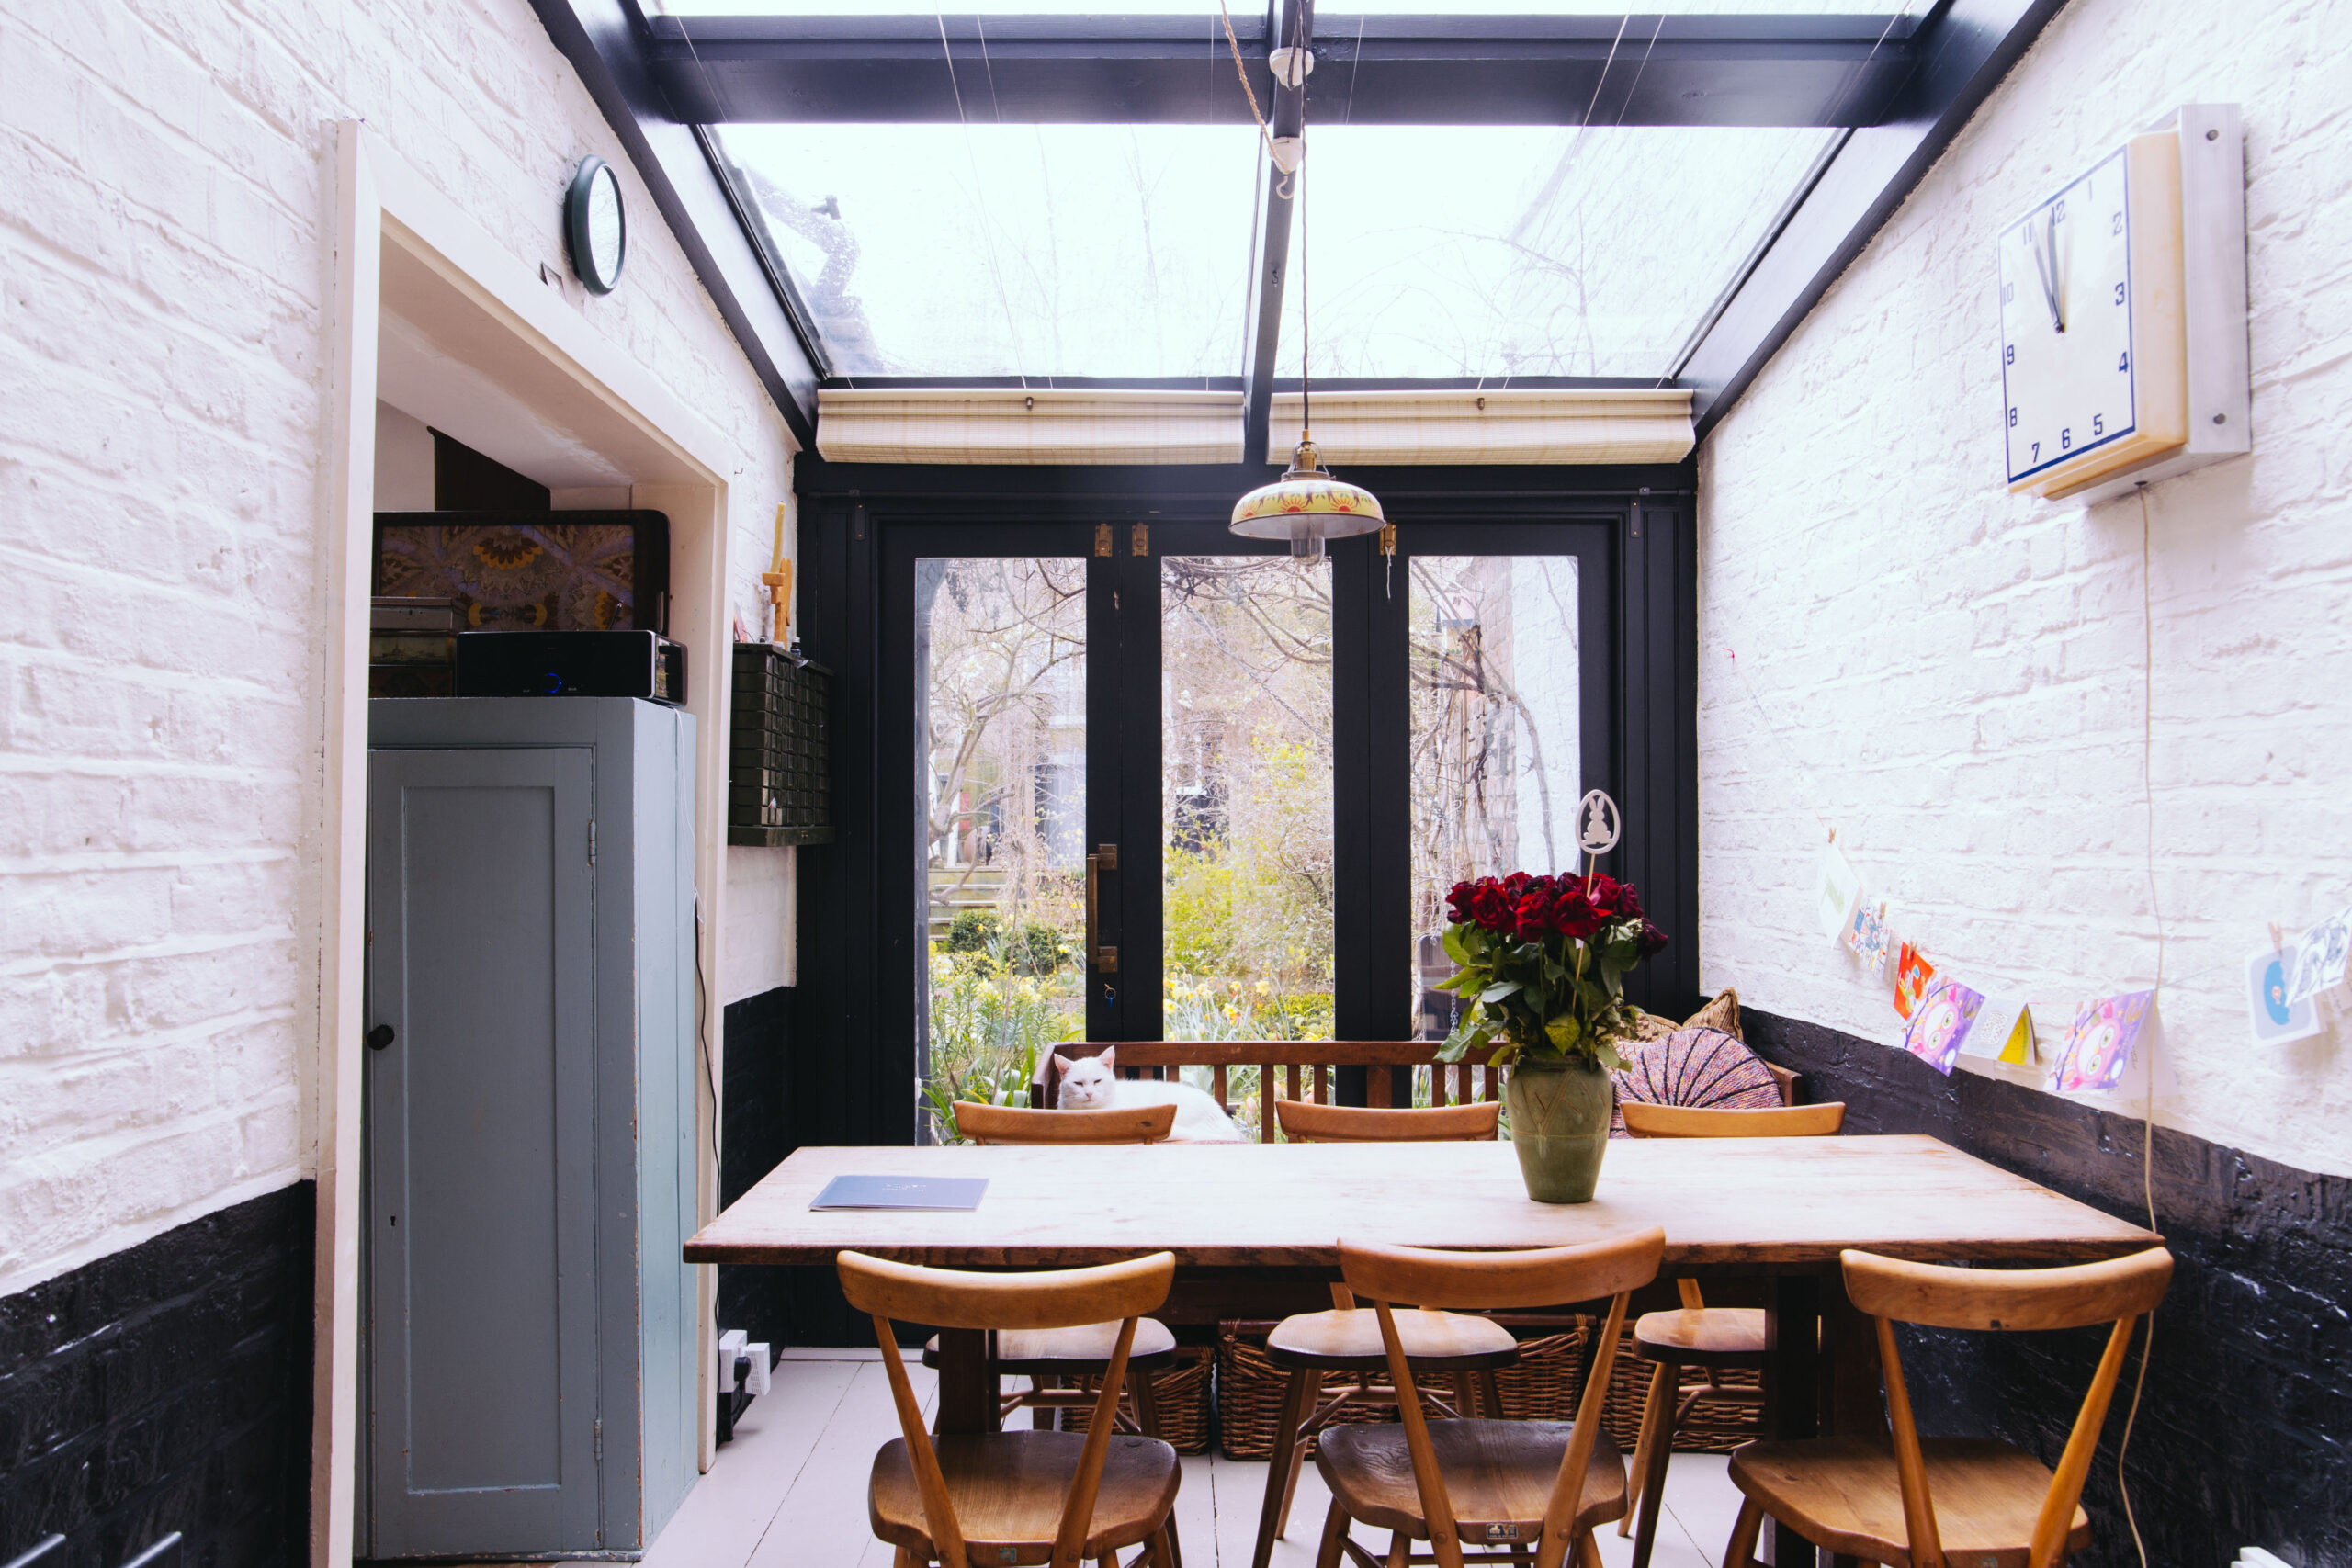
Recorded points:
(1050, 1357)
(1304, 1121)
(1698, 1336)
(1513, 1486)
(1313, 1346)
(1009, 1125)
(1301, 1071)
(1962, 1501)
(966, 1499)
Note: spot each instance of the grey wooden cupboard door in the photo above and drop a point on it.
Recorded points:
(482, 1299)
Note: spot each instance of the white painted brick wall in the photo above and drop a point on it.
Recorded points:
(1962, 673)
(166, 186)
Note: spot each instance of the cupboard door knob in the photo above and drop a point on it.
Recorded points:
(380, 1037)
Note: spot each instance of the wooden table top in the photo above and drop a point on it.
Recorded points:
(1722, 1200)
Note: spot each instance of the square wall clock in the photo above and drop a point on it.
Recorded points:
(2123, 319)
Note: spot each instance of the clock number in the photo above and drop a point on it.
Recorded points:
(2119, 294)
(2099, 424)
(2008, 293)
(2058, 211)
(2122, 362)
(2066, 440)
(2116, 227)
(2010, 355)
(2013, 419)
(2037, 452)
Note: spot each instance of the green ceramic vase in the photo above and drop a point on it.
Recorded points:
(1559, 1125)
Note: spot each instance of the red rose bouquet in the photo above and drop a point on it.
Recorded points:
(1543, 962)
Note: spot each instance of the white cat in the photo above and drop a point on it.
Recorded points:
(1091, 1083)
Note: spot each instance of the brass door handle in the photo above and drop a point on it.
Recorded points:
(1106, 959)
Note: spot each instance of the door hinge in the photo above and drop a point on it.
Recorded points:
(1139, 539)
(591, 841)
(1102, 539)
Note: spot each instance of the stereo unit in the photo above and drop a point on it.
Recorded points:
(571, 664)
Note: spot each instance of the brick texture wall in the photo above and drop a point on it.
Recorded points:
(166, 186)
(1958, 678)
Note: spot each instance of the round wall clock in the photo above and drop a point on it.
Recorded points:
(596, 229)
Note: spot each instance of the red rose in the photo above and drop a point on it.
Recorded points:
(1573, 915)
(1515, 886)
(1653, 939)
(1605, 892)
(1488, 908)
(1532, 917)
(1457, 903)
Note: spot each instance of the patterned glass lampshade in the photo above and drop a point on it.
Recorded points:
(1306, 506)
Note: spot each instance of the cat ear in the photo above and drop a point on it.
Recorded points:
(1109, 1057)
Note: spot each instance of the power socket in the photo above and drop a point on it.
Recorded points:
(755, 1375)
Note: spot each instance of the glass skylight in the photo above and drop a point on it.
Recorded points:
(1011, 250)
(1246, 9)
(1504, 251)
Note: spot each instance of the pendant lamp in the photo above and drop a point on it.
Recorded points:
(1307, 504)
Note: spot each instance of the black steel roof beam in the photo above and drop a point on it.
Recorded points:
(1962, 55)
(1641, 70)
(1286, 110)
(600, 37)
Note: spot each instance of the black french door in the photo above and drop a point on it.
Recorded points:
(1154, 781)
(1323, 747)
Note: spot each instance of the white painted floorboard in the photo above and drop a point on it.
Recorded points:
(790, 1492)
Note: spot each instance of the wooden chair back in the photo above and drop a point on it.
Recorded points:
(2120, 1290)
(1065, 1298)
(1014, 1124)
(1304, 1121)
(1702, 1122)
(1300, 1070)
(1414, 1276)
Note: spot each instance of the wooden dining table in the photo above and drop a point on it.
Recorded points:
(1238, 1215)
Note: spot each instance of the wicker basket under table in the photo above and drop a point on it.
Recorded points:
(1543, 1385)
(1181, 1392)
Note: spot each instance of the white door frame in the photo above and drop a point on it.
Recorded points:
(382, 199)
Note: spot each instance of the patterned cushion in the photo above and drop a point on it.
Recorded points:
(1697, 1068)
(1721, 1013)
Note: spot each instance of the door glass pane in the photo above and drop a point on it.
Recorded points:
(1246, 801)
(1496, 774)
(1001, 755)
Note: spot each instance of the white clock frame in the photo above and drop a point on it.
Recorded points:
(2189, 382)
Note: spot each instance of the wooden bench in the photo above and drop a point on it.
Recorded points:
(1299, 1069)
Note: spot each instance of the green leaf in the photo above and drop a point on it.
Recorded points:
(1564, 1030)
(1498, 991)
(1455, 948)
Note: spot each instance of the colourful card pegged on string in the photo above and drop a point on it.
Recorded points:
(1835, 890)
(2320, 955)
(1913, 974)
(2101, 1042)
(2003, 1031)
(2274, 1019)
(1943, 1019)
(1867, 936)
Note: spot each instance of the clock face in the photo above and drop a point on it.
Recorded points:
(595, 229)
(604, 223)
(2067, 382)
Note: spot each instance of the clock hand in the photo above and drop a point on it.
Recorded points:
(2045, 266)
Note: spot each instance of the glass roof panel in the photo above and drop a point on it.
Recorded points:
(1248, 9)
(1502, 251)
(1004, 250)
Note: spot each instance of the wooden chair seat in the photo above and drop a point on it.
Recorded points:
(1846, 1495)
(1349, 1341)
(1702, 1336)
(1067, 1352)
(1008, 1489)
(1499, 1477)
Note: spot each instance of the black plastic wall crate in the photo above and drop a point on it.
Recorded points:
(778, 772)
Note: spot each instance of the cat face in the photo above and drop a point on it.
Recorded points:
(1087, 1081)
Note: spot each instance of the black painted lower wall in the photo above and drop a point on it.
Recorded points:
(754, 1137)
(2244, 1432)
(166, 1387)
